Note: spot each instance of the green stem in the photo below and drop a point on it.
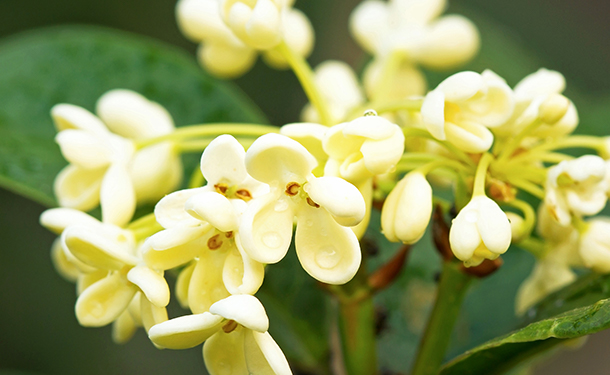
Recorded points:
(451, 291)
(514, 143)
(357, 329)
(529, 187)
(210, 131)
(481, 173)
(305, 75)
(421, 133)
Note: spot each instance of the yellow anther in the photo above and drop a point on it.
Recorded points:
(221, 188)
(292, 188)
(214, 242)
(243, 194)
(229, 326)
(312, 203)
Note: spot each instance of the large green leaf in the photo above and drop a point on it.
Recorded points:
(77, 65)
(499, 355)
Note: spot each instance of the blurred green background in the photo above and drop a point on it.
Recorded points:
(38, 330)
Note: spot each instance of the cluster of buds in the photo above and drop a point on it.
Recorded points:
(492, 144)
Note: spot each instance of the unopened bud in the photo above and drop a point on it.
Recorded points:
(517, 226)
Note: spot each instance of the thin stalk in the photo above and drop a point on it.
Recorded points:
(451, 291)
(529, 187)
(357, 329)
(210, 130)
(305, 75)
(512, 145)
(421, 133)
(481, 173)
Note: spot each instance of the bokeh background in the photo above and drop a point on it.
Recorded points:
(38, 331)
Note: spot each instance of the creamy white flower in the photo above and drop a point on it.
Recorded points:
(413, 28)
(235, 335)
(594, 247)
(480, 231)
(361, 149)
(463, 107)
(107, 265)
(311, 136)
(405, 81)
(537, 96)
(231, 32)
(547, 277)
(202, 226)
(576, 187)
(407, 210)
(340, 89)
(104, 165)
(323, 206)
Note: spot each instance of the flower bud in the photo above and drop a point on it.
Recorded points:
(554, 108)
(407, 209)
(594, 245)
(480, 231)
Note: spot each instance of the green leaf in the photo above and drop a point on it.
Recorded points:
(499, 355)
(77, 65)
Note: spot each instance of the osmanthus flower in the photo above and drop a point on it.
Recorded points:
(480, 231)
(361, 149)
(594, 244)
(110, 272)
(235, 335)
(538, 97)
(340, 88)
(576, 187)
(104, 164)
(407, 210)
(324, 208)
(232, 32)
(311, 136)
(414, 28)
(463, 107)
(202, 227)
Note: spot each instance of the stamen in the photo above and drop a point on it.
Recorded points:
(221, 188)
(243, 194)
(214, 242)
(229, 326)
(229, 234)
(312, 203)
(292, 188)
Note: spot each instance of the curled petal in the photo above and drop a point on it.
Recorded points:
(462, 86)
(151, 283)
(469, 136)
(277, 159)
(117, 197)
(62, 264)
(97, 249)
(263, 355)
(226, 60)
(383, 155)
(241, 274)
(170, 211)
(214, 208)
(327, 251)
(131, 115)
(339, 197)
(182, 285)
(58, 219)
(168, 249)
(155, 171)
(123, 328)
(266, 228)
(542, 82)
(151, 314)
(68, 116)
(186, 331)
(433, 113)
(104, 301)
(494, 226)
(78, 188)
(309, 135)
(85, 280)
(245, 309)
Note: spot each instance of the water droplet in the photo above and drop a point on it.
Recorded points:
(328, 257)
(370, 112)
(281, 206)
(309, 223)
(272, 240)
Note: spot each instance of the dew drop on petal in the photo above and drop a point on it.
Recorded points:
(328, 257)
(309, 223)
(272, 240)
(280, 206)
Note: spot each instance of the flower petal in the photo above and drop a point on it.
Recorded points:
(155, 171)
(151, 283)
(214, 208)
(58, 219)
(170, 210)
(173, 247)
(97, 249)
(461, 86)
(223, 161)
(433, 113)
(78, 188)
(206, 286)
(123, 328)
(494, 226)
(266, 228)
(131, 115)
(223, 353)
(186, 331)
(151, 314)
(117, 197)
(339, 197)
(241, 274)
(245, 309)
(104, 301)
(263, 355)
(469, 136)
(277, 159)
(327, 251)
(68, 116)
(83, 148)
